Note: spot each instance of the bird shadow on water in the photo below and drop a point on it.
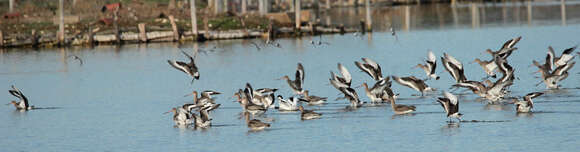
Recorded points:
(498, 107)
(401, 116)
(349, 116)
(451, 129)
(265, 130)
(46, 108)
(482, 121)
(21, 111)
(525, 114)
(203, 129)
(553, 112)
(224, 125)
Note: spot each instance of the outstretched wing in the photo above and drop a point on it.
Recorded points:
(17, 93)
(345, 74)
(532, 95)
(181, 66)
(444, 103)
(300, 74)
(431, 56)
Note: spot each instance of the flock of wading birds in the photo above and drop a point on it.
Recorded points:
(258, 101)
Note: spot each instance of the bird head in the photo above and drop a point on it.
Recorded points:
(172, 110)
(12, 102)
(284, 78)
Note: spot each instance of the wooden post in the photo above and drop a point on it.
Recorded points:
(328, 20)
(563, 11)
(225, 3)
(116, 25)
(363, 28)
(11, 6)
(474, 15)
(193, 19)
(142, 32)
(91, 36)
(243, 23)
(261, 7)
(217, 6)
(369, 20)
(327, 4)
(244, 6)
(61, 21)
(312, 28)
(407, 25)
(266, 6)
(453, 3)
(504, 12)
(439, 16)
(174, 27)
(297, 14)
(291, 2)
(1, 39)
(271, 29)
(34, 38)
(171, 4)
(340, 3)
(517, 15)
(206, 26)
(529, 6)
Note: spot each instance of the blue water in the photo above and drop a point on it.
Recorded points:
(115, 100)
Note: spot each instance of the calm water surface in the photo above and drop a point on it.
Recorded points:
(115, 100)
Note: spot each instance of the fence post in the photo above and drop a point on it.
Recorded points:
(1, 39)
(174, 28)
(61, 22)
(297, 14)
(563, 11)
(91, 36)
(116, 25)
(142, 32)
(369, 21)
(193, 19)
(244, 6)
(11, 6)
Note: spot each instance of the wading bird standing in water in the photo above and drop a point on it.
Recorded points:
(189, 68)
(308, 114)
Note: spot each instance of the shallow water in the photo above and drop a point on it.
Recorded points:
(115, 100)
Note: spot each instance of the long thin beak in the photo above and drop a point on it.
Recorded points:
(166, 112)
(8, 103)
(358, 86)
(279, 78)
(187, 95)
